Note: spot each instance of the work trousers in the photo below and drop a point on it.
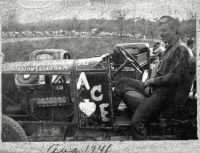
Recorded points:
(144, 106)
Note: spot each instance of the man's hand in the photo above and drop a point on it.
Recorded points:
(148, 83)
(147, 91)
(117, 92)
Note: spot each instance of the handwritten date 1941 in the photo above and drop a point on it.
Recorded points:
(61, 148)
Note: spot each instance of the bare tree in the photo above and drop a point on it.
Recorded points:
(12, 19)
(75, 24)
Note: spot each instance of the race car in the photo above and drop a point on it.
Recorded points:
(80, 107)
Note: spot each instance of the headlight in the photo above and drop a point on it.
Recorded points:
(26, 76)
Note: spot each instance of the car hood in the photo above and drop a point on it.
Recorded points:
(53, 66)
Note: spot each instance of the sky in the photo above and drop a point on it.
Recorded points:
(39, 10)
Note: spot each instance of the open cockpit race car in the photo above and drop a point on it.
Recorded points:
(74, 99)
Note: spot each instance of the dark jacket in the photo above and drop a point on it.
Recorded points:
(176, 72)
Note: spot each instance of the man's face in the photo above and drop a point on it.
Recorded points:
(166, 33)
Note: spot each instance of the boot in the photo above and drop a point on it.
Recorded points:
(138, 131)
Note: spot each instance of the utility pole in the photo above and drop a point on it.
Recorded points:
(144, 27)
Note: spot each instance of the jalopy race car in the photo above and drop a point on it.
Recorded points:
(80, 105)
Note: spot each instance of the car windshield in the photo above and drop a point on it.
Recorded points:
(44, 57)
(133, 50)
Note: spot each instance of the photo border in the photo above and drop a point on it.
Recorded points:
(179, 146)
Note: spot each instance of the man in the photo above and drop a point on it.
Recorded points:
(158, 49)
(169, 85)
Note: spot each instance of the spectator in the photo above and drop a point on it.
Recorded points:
(159, 49)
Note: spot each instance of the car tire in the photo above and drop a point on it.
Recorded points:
(12, 130)
(20, 78)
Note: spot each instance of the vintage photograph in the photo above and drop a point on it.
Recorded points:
(98, 70)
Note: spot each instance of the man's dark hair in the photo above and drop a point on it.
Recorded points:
(156, 44)
(171, 21)
(190, 42)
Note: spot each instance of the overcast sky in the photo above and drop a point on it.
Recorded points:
(38, 10)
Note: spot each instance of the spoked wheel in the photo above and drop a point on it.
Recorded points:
(12, 130)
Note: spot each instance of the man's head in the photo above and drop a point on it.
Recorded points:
(168, 28)
(158, 49)
(156, 45)
(190, 43)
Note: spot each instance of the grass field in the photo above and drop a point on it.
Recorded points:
(78, 47)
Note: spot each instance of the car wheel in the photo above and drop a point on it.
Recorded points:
(12, 130)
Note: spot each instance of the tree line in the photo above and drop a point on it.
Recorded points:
(118, 24)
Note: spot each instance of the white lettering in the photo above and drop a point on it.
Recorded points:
(104, 113)
(83, 81)
(83, 62)
(94, 90)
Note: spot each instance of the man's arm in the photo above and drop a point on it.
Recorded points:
(175, 75)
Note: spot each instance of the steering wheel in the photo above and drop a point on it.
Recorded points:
(128, 59)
